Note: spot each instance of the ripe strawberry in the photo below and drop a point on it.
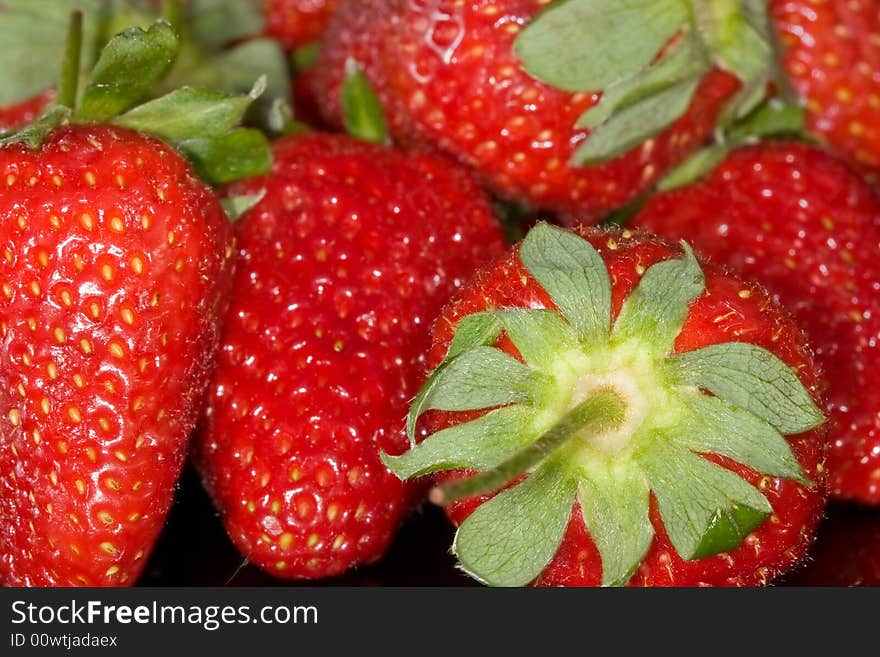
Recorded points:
(546, 117)
(342, 265)
(297, 22)
(588, 363)
(846, 552)
(115, 259)
(115, 264)
(20, 114)
(832, 57)
(805, 224)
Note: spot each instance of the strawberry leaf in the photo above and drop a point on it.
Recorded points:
(129, 65)
(34, 133)
(752, 378)
(236, 206)
(615, 502)
(189, 113)
(685, 61)
(575, 277)
(705, 508)
(239, 154)
(655, 311)
(361, 110)
(511, 538)
(482, 378)
(586, 45)
(713, 427)
(635, 124)
(540, 336)
(479, 444)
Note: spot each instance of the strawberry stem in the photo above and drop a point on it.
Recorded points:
(601, 412)
(69, 79)
(172, 12)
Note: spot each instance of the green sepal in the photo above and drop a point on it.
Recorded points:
(695, 167)
(635, 124)
(615, 501)
(705, 508)
(713, 427)
(685, 61)
(236, 206)
(479, 329)
(586, 45)
(362, 112)
(483, 377)
(655, 311)
(540, 336)
(573, 273)
(130, 63)
(190, 113)
(305, 56)
(33, 134)
(480, 444)
(752, 378)
(241, 153)
(509, 540)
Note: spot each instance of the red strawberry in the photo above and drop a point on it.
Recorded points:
(115, 264)
(545, 116)
(594, 358)
(342, 265)
(805, 224)
(20, 114)
(833, 60)
(847, 550)
(297, 22)
(113, 274)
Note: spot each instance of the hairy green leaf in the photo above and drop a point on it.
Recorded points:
(655, 311)
(752, 378)
(635, 124)
(705, 508)
(615, 501)
(362, 112)
(511, 538)
(586, 45)
(480, 444)
(573, 273)
(540, 336)
(714, 427)
(239, 154)
(126, 69)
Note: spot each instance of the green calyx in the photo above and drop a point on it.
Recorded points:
(120, 87)
(362, 111)
(647, 58)
(604, 414)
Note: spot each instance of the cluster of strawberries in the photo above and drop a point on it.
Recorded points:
(661, 383)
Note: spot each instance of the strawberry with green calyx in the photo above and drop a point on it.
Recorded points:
(114, 275)
(650, 420)
(804, 223)
(548, 117)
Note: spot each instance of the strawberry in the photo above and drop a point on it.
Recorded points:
(545, 116)
(832, 57)
(296, 23)
(115, 268)
(846, 552)
(575, 376)
(342, 265)
(21, 113)
(806, 225)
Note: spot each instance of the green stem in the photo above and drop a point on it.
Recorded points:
(172, 12)
(69, 79)
(603, 411)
